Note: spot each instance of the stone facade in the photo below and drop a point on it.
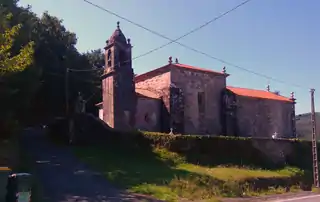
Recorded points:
(148, 115)
(187, 100)
(157, 82)
(181, 89)
(248, 116)
(202, 98)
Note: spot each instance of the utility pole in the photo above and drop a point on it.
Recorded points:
(314, 142)
(67, 92)
(69, 120)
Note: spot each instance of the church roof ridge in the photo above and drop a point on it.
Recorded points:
(197, 68)
(185, 66)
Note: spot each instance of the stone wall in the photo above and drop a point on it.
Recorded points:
(108, 101)
(192, 82)
(148, 114)
(160, 84)
(304, 126)
(263, 117)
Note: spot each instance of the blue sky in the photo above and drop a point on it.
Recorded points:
(278, 38)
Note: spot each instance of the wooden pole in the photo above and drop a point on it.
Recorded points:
(69, 120)
(67, 91)
(314, 142)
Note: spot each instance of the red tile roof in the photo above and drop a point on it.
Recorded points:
(176, 65)
(257, 94)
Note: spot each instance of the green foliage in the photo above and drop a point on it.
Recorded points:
(191, 166)
(8, 62)
(224, 150)
(13, 64)
(40, 89)
(169, 176)
(204, 150)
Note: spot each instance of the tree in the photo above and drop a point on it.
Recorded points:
(10, 66)
(43, 83)
(95, 58)
(8, 63)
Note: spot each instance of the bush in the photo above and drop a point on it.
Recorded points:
(217, 150)
(203, 150)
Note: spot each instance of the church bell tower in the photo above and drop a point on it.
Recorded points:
(118, 87)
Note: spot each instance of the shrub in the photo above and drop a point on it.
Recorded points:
(217, 150)
(203, 150)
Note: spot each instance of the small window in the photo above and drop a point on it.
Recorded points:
(201, 102)
(109, 58)
(146, 118)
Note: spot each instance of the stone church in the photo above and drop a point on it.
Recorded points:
(186, 99)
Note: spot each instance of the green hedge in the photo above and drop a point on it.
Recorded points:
(204, 150)
(213, 150)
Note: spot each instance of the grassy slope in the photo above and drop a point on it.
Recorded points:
(168, 176)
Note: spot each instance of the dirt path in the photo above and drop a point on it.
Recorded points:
(64, 178)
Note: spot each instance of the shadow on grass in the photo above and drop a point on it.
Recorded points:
(240, 152)
(145, 172)
(142, 170)
(128, 160)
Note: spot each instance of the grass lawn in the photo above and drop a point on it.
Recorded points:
(167, 176)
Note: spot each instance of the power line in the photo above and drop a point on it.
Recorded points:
(163, 36)
(193, 49)
(73, 77)
(193, 30)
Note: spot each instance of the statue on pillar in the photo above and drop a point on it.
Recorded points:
(80, 104)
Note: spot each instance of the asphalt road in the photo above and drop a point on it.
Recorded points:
(311, 198)
(64, 179)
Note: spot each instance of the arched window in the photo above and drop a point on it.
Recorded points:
(109, 58)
